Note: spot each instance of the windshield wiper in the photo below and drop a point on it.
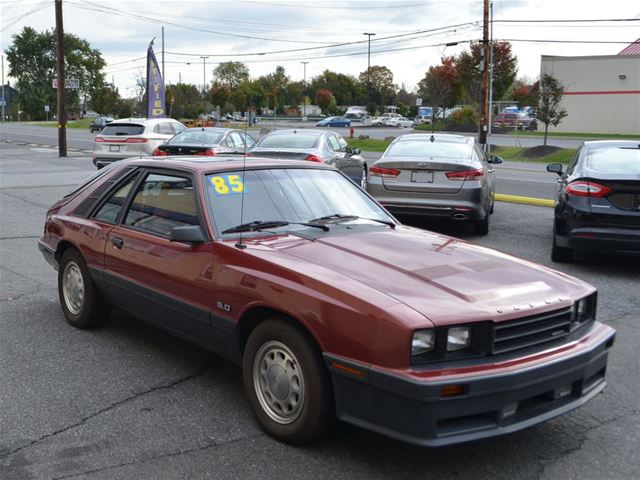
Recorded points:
(257, 225)
(339, 218)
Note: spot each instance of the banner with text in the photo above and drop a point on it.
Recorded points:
(155, 86)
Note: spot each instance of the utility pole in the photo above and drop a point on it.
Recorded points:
(204, 84)
(484, 113)
(163, 77)
(369, 67)
(4, 100)
(490, 116)
(62, 107)
(304, 97)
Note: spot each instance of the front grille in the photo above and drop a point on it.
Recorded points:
(532, 331)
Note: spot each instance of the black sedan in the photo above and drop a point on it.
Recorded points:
(207, 142)
(598, 203)
(99, 123)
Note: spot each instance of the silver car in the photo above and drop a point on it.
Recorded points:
(317, 146)
(132, 137)
(440, 176)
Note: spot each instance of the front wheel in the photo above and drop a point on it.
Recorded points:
(287, 383)
(81, 302)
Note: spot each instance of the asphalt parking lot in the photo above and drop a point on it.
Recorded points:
(128, 401)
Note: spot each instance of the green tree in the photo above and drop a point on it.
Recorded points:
(324, 98)
(32, 62)
(346, 89)
(549, 110)
(219, 95)
(383, 90)
(187, 100)
(505, 68)
(231, 74)
(106, 100)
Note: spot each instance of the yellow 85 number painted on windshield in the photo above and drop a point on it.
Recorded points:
(227, 184)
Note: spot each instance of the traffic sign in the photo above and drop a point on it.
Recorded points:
(46, 108)
(68, 83)
(418, 102)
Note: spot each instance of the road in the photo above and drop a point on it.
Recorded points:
(513, 178)
(129, 401)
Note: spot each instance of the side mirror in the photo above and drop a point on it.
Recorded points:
(188, 234)
(495, 159)
(555, 168)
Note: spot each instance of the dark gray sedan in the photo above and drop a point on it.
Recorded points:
(317, 146)
(207, 141)
(441, 176)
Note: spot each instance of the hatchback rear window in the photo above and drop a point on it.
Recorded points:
(429, 149)
(123, 129)
(196, 138)
(614, 159)
(295, 140)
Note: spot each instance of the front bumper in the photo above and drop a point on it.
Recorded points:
(48, 253)
(494, 402)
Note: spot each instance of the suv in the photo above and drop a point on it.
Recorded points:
(520, 121)
(99, 123)
(132, 137)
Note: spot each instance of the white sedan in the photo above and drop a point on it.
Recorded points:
(400, 122)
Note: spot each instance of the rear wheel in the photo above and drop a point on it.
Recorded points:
(560, 254)
(287, 383)
(81, 302)
(481, 227)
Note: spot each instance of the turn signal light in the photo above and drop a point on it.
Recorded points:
(313, 158)
(451, 390)
(159, 153)
(582, 188)
(476, 174)
(383, 172)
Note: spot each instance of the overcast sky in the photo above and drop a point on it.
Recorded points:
(226, 29)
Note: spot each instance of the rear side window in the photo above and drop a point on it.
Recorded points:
(614, 159)
(295, 140)
(110, 210)
(161, 203)
(122, 129)
(163, 128)
(178, 127)
(429, 149)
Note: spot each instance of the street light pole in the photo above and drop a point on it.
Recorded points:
(304, 97)
(369, 35)
(204, 84)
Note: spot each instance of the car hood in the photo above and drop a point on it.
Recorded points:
(445, 279)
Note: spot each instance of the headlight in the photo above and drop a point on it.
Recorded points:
(422, 342)
(458, 338)
(581, 307)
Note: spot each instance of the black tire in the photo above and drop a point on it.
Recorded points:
(313, 415)
(481, 227)
(560, 254)
(84, 309)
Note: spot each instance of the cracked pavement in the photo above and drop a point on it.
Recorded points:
(129, 401)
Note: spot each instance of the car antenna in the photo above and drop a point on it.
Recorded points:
(239, 243)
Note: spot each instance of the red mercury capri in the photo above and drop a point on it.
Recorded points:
(333, 308)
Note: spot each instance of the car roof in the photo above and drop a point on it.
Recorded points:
(612, 143)
(209, 129)
(296, 131)
(202, 165)
(437, 137)
(143, 121)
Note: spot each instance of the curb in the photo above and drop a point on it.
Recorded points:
(540, 202)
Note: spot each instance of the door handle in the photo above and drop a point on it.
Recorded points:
(117, 242)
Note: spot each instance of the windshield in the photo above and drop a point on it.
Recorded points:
(294, 140)
(197, 137)
(421, 148)
(290, 195)
(614, 159)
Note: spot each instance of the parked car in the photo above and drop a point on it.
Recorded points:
(132, 137)
(598, 203)
(400, 122)
(439, 176)
(99, 123)
(334, 122)
(422, 120)
(206, 142)
(521, 121)
(316, 146)
(331, 307)
(382, 120)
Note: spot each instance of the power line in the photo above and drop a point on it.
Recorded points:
(582, 20)
(40, 6)
(625, 42)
